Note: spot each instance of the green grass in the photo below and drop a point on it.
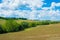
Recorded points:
(41, 32)
(14, 25)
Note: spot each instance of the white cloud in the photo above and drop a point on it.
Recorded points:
(12, 4)
(5, 13)
(46, 8)
(14, 13)
(53, 4)
(7, 9)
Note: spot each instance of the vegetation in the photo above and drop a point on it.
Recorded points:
(41, 32)
(13, 18)
(11, 25)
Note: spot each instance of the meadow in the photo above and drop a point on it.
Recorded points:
(23, 29)
(13, 25)
(41, 32)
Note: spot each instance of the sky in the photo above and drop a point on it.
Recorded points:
(31, 9)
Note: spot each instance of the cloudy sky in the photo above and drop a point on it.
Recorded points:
(31, 9)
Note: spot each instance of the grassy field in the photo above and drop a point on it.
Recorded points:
(41, 32)
(14, 25)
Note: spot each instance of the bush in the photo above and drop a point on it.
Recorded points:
(1, 29)
(11, 26)
(25, 24)
(54, 22)
(32, 24)
(21, 27)
(45, 22)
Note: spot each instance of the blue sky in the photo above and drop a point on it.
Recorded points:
(49, 2)
(34, 10)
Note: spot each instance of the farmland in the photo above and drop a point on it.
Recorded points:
(18, 29)
(41, 32)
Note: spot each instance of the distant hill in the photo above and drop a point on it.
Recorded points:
(13, 18)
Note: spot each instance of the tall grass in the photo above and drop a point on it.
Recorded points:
(12, 26)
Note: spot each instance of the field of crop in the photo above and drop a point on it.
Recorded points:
(41, 32)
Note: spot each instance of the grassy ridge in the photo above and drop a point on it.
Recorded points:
(13, 25)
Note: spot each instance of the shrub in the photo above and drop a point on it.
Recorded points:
(21, 27)
(11, 26)
(32, 24)
(1, 29)
(54, 22)
(45, 22)
(25, 24)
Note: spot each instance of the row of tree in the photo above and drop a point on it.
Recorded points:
(13, 18)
